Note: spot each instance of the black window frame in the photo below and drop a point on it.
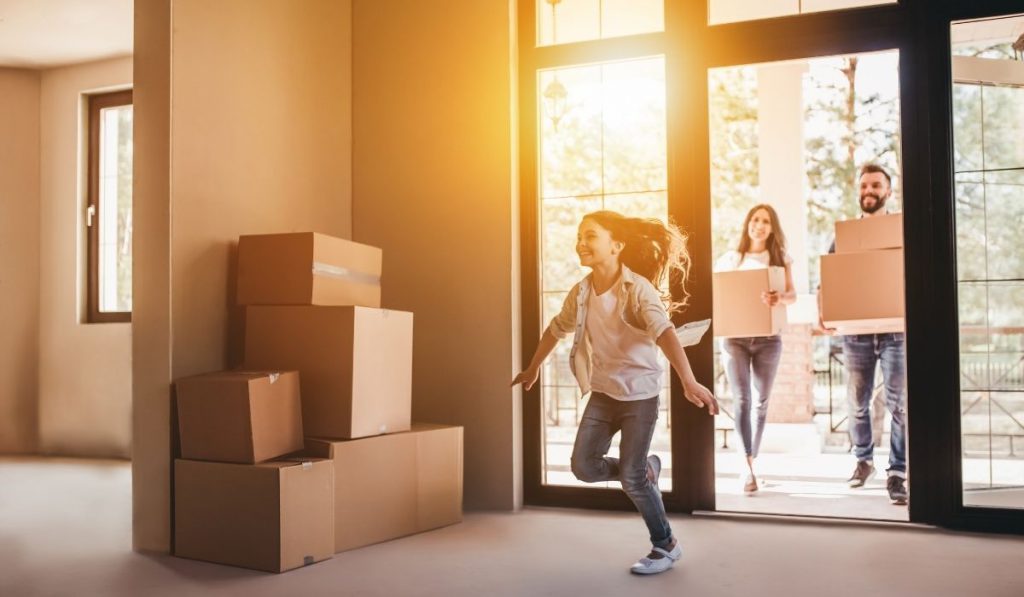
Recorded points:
(919, 30)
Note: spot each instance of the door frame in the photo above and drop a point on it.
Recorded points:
(919, 30)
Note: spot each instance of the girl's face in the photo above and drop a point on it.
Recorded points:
(595, 245)
(760, 226)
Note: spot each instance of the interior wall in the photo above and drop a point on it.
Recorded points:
(261, 130)
(249, 106)
(84, 369)
(19, 259)
(433, 186)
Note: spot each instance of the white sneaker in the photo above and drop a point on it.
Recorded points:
(649, 565)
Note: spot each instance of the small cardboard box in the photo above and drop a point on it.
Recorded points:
(355, 363)
(239, 416)
(738, 309)
(863, 292)
(307, 268)
(271, 516)
(870, 233)
(394, 485)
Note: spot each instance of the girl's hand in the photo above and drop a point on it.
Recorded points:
(700, 396)
(527, 378)
(770, 297)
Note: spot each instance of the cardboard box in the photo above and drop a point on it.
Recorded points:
(355, 363)
(271, 516)
(862, 293)
(870, 233)
(738, 309)
(394, 485)
(306, 268)
(237, 416)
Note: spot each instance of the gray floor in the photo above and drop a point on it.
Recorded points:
(65, 529)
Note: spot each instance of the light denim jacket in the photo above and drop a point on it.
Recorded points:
(640, 307)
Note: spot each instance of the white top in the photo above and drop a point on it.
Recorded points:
(731, 261)
(625, 359)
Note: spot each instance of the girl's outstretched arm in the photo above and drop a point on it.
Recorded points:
(528, 377)
(694, 391)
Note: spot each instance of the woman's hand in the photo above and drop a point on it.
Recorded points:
(700, 396)
(528, 377)
(770, 297)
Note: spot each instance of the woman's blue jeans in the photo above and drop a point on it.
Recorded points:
(751, 365)
(602, 419)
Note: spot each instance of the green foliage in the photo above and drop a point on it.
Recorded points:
(732, 105)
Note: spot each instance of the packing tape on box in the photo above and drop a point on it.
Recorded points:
(307, 465)
(343, 273)
(274, 376)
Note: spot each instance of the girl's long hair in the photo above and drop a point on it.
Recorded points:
(776, 242)
(652, 249)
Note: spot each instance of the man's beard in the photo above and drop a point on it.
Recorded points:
(879, 203)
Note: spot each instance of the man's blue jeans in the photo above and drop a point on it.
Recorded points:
(861, 352)
(603, 417)
(751, 361)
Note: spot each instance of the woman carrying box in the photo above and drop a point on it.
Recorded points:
(754, 361)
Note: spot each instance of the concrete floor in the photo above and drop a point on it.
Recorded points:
(65, 529)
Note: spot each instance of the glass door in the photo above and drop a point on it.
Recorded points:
(988, 132)
(593, 101)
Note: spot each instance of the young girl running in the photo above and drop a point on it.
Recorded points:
(762, 244)
(619, 320)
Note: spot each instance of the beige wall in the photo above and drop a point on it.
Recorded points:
(84, 369)
(248, 102)
(261, 130)
(433, 186)
(19, 258)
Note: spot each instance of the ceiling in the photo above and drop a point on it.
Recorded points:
(48, 33)
(998, 30)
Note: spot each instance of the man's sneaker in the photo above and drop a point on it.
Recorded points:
(653, 469)
(659, 560)
(897, 490)
(864, 471)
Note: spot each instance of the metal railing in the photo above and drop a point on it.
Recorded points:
(987, 374)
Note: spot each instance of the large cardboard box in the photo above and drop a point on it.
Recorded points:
(738, 309)
(863, 292)
(239, 416)
(355, 364)
(870, 233)
(306, 268)
(271, 516)
(394, 485)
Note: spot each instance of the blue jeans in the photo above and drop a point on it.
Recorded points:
(603, 417)
(861, 352)
(746, 360)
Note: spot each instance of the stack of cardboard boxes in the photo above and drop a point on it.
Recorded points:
(862, 282)
(313, 306)
(236, 501)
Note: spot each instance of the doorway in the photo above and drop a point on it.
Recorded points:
(792, 136)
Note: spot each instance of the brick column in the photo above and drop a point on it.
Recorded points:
(792, 398)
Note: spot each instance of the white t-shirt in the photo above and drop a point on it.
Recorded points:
(625, 360)
(731, 261)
